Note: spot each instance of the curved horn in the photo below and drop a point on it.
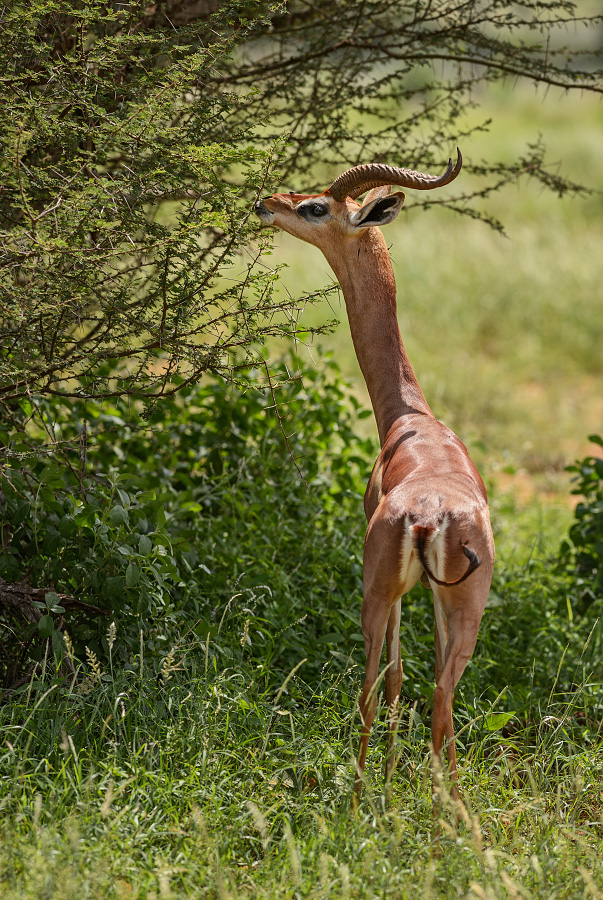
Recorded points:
(356, 181)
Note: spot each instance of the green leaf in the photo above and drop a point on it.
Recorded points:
(496, 721)
(46, 626)
(86, 517)
(52, 540)
(145, 496)
(114, 586)
(21, 513)
(132, 575)
(182, 546)
(67, 526)
(118, 516)
(125, 499)
(145, 545)
(52, 475)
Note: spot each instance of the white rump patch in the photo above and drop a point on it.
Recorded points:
(435, 548)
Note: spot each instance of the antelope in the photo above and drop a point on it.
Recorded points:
(425, 502)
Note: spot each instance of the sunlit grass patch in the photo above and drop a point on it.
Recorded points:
(221, 782)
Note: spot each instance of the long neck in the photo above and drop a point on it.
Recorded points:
(365, 274)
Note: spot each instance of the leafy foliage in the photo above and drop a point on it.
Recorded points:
(583, 553)
(540, 646)
(197, 523)
(121, 207)
(198, 519)
(200, 753)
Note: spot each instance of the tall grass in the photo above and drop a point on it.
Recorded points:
(215, 782)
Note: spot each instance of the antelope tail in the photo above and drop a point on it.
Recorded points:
(422, 535)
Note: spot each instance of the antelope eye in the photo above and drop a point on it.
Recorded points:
(312, 210)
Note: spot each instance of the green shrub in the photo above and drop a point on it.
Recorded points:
(196, 527)
(583, 552)
(197, 519)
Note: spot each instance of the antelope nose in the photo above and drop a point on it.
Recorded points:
(264, 213)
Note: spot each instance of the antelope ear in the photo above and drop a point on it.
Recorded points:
(383, 191)
(380, 211)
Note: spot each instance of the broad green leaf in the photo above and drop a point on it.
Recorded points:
(132, 575)
(52, 475)
(118, 516)
(57, 642)
(86, 516)
(496, 721)
(46, 626)
(114, 585)
(67, 526)
(52, 540)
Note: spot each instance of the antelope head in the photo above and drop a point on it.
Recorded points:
(324, 219)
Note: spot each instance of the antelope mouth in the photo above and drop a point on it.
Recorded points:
(263, 213)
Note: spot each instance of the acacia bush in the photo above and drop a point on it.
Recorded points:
(127, 194)
(136, 137)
